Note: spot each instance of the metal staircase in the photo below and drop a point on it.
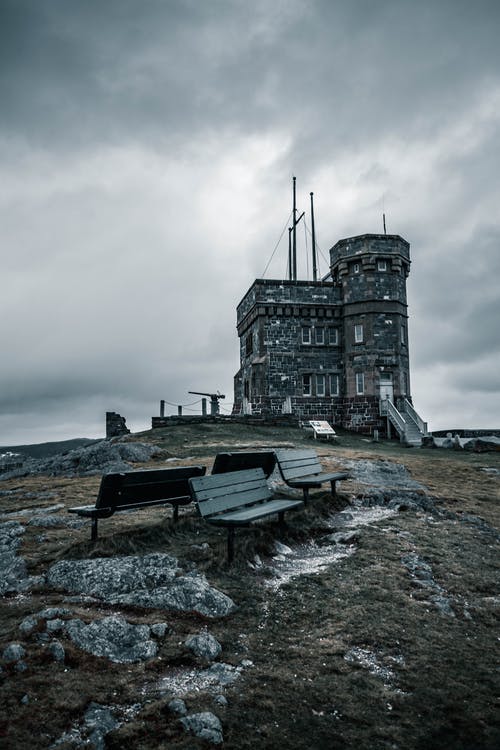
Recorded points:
(408, 424)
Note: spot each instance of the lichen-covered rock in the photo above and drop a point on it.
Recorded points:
(56, 650)
(177, 706)
(14, 652)
(205, 725)
(113, 638)
(204, 645)
(144, 581)
(184, 594)
(96, 458)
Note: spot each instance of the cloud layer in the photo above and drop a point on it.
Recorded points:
(147, 151)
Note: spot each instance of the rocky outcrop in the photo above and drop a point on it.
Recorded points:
(105, 456)
(113, 638)
(151, 581)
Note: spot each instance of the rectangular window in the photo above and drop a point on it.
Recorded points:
(333, 336)
(306, 335)
(403, 333)
(355, 268)
(249, 344)
(320, 335)
(382, 265)
(358, 334)
(306, 385)
(360, 383)
(334, 384)
(320, 385)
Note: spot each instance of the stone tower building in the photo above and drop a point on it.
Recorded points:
(335, 349)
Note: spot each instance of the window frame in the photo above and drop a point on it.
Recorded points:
(333, 377)
(333, 336)
(307, 389)
(360, 384)
(305, 329)
(316, 339)
(320, 377)
(358, 333)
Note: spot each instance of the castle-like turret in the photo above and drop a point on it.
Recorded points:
(371, 271)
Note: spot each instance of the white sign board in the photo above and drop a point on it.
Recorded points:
(321, 427)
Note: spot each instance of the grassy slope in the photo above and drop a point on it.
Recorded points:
(301, 691)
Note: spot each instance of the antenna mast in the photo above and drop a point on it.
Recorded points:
(294, 248)
(315, 269)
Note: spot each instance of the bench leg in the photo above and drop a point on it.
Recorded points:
(230, 544)
(281, 521)
(306, 495)
(334, 488)
(93, 530)
(176, 513)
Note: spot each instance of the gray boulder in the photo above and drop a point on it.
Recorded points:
(113, 638)
(205, 725)
(204, 646)
(13, 652)
(13, 573)
(145, 581)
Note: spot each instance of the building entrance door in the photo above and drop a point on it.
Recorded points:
(386, 390)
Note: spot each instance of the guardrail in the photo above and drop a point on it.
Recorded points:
(388, 409)
(422, 426)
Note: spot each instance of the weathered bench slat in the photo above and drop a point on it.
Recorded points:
(240, 460)
(221, 490)
(254, 512)
(140, 489)
(302, 469)
(237, 498)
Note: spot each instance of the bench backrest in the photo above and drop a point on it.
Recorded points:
(219, 493)
(240, 460)
(132, 487)
(298, 463)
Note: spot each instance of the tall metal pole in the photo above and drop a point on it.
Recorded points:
(315, 268)
(289, 253)
(294, 250)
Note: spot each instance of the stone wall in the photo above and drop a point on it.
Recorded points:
(115, 425)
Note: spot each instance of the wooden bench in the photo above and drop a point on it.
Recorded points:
(139, 489)
(237, 498)
(301, 469)
(240, 460)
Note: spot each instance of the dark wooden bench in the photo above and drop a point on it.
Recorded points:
(139, 489)
(301, 469)
(240, 460)
(237, 498)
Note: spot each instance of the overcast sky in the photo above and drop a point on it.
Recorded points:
(147, 149)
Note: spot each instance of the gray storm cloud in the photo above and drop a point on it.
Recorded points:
(146, 153)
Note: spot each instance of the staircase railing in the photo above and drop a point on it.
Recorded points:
(422, 426)
(396, 418)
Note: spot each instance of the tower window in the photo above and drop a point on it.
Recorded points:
(249, 344)
(306, 335)
(320, 335)
(360, 383)
(382, 265)
(334, 384)
(358, 333)
(306, 385)
(320, 385)
(355, 268)
(403, 333)
(333, 336)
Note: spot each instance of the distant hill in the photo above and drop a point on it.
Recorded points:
(43, 450)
